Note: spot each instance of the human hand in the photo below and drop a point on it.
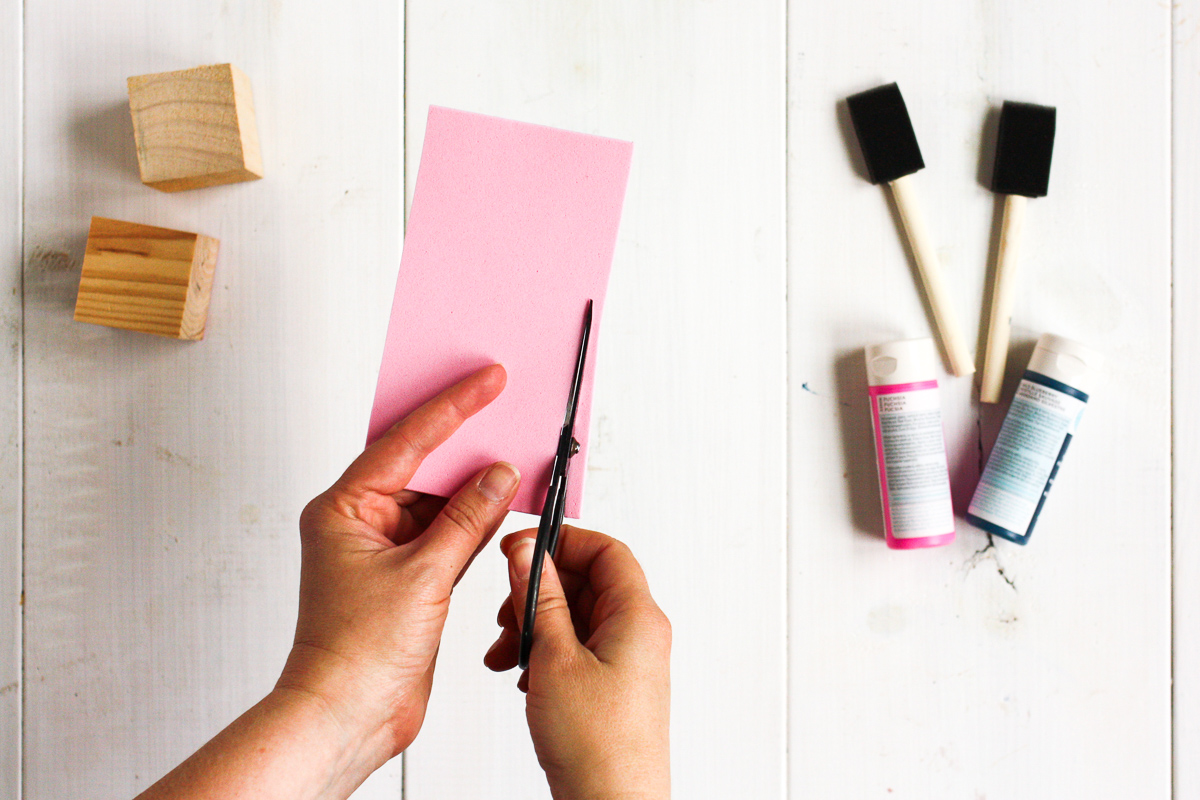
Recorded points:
(378, 566)
(598, 684)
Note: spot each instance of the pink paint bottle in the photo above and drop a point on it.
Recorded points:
(910, 448)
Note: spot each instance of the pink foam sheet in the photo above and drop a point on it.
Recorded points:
(512, 229)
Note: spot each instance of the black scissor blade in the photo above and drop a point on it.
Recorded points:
(577, 383)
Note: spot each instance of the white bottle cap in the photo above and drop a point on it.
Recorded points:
(1066, 361)
(906, 361)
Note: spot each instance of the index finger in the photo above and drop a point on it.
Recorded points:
(389, 463)
(607, 563)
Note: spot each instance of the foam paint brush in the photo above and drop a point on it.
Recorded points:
(889, 146)
(1024, 144)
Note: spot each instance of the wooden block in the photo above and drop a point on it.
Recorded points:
(195, 128)
(142, 278)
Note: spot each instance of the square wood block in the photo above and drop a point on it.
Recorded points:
(195, 128)
(141, 278)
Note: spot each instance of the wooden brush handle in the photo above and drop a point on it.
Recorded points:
(1004, 290)
(931, 276)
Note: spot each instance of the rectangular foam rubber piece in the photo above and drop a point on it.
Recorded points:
(885, 133)
(511, 232)
(1024, 145)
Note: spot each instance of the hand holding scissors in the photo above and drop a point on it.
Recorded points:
(598, 692)
(556, 494)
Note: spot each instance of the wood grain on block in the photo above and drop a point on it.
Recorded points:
(142, 278)
(195, 128)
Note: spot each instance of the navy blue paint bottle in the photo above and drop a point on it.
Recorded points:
(1037, 430)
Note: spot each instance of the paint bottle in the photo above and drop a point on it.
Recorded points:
(910, 448)
(1038, 428)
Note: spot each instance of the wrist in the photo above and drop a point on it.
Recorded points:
(636, 782)
(334, 689)
(301, 749)
(615, 794)
(287, 745)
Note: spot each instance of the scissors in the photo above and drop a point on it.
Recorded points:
(556, 496)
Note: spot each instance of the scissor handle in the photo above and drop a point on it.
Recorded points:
(561, 506)
(547, 538)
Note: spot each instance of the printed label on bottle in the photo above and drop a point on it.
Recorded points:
(914, 480)
(1033, 439)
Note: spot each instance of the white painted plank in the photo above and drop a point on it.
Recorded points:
(165, 478)
(970, 670)
(689, 428)
(1185, 389)
(10, 398)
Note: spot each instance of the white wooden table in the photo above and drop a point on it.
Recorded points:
(149, 489)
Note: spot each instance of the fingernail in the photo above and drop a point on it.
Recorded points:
(499, 481)
(522, 557)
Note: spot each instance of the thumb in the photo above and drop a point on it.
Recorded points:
(469, 519)
(553, 629)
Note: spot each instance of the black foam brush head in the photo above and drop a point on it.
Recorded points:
(1024, 145)
(885, 133)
